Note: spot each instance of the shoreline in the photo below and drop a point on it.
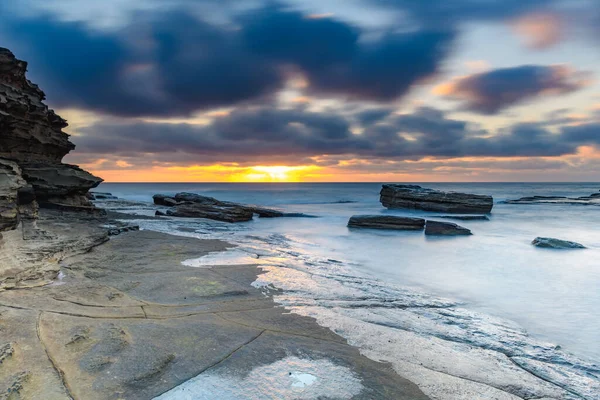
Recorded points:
(449, 351)
(128, 320)
(130, 316)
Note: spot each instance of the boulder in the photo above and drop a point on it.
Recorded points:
(161, 200)
(210, 211)
(551, 243)
(416, 197)
(31, 136)
(445, 229)
(386, 222)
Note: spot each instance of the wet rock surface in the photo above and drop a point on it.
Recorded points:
(386, 222)
(417, 197)
(191, 205)
(128, 318)
(466, 217)
(437, 228)
(551, 243)
(593, 199)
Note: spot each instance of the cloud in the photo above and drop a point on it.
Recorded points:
(540, 30)
(172, 63)
(444, 12)
(585, 133)
(492, 91)
(267, 135)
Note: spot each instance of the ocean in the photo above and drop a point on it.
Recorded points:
(337, 274)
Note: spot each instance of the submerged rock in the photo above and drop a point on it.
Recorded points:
(31, 136)
(386, 222)
(445, 229)
(416, 197)
(191, 205)
(551, 243)
(592, 199)
(466, 217)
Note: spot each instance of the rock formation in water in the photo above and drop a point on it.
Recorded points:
(445, 229)
(465, 217)
(32, 146)
(592, 199)
(416, 197)
(191, 205)
(551, 243)
(386, 222)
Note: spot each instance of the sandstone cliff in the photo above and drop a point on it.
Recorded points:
(32, 146)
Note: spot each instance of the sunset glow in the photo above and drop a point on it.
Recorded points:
(346, 93)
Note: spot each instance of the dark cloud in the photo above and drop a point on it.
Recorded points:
(385, 69)
(585, 133)
(173, 63)
(373, 115)
(270, 135)
(492, 91)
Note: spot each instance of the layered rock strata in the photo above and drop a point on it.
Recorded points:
(386, 222)
(437, 228)
(32, 146)
(417, 197)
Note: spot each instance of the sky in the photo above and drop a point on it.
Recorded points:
(319, 90)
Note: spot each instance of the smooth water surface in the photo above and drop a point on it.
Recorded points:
(554, 294)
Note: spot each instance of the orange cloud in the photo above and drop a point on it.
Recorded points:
(540, 30)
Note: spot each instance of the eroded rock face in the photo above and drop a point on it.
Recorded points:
(445, 229)
(416, 197)
(551, 243)
(386, 222)
(31, 137)
(11, 182)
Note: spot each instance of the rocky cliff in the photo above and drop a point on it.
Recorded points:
(32, 146)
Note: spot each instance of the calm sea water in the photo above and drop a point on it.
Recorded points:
(555, 295)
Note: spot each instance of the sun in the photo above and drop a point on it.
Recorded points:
(277, 173)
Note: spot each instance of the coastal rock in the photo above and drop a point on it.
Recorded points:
(592, 199)
(551, 243)
(416, 197)
(60, 184)
(218, 213)
(466, 217)
(445, 229)
(164, 200)
(11, 182)
(31, 136)
(101, 196)
(191, 205)
(386, 222)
